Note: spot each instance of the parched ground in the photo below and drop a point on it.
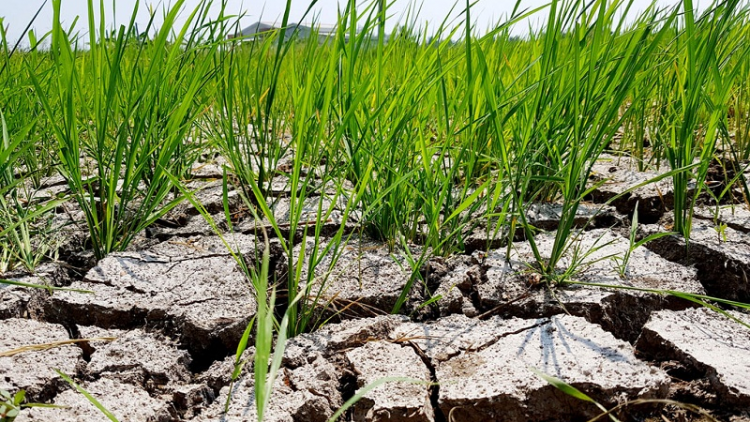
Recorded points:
(177, 305)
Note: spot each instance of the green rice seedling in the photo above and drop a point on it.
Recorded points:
(721, 231)
(49, 288)
(243, 125)
(12, 98)
(240, 125)
(310, 94)
(387, 140)
(603, 84)
(23, 234)
(662, 95)
(264, 338)
(735, 134)
(239, 362)
(17, 97)
(427, 184)
(267, 365)
(703, 78)
(126, 115)
(268, 355)
(10, 405)
(361, 132)
(249, 123)
(636, 127)
(740, 112)
(567, 389)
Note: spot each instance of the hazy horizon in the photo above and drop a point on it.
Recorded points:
(484, 14)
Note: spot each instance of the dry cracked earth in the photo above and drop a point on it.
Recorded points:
(177, 305)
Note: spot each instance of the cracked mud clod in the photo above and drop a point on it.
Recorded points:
(34, 371)
(393, 401)
(471, 356)
(193, 290)
(714, 347)
(721, 258)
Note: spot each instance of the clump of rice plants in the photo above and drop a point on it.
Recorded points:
(121, 113)
(589, 61)
(25, 235)
(705, 64)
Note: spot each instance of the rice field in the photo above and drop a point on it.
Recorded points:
(416, 138)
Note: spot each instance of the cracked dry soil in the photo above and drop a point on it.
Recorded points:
(178, 305)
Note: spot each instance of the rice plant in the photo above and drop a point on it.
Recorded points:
(121, 113)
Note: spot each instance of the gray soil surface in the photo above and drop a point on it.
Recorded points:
(191, 288)
(126, 401)
(394, 401)
(473, 340)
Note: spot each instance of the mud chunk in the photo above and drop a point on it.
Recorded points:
(613, 176)
(336, 337)
(721, 256)
(456, 287)
(392, 401)
(366, 279)
(210, 194)
(544, 216)
(488, 377)
(313, 210)
(513, 288)
(194, 225)
(307, 393)
(137, 357)
(195, 292)
(14, 301)
(706, 343)
(33, 371)
(25, 302)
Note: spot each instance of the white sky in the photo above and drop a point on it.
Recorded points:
(17, 13)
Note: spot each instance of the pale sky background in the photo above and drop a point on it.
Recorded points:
(17, 13)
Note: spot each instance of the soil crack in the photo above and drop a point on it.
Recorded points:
(434, 387)
(538, 324)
